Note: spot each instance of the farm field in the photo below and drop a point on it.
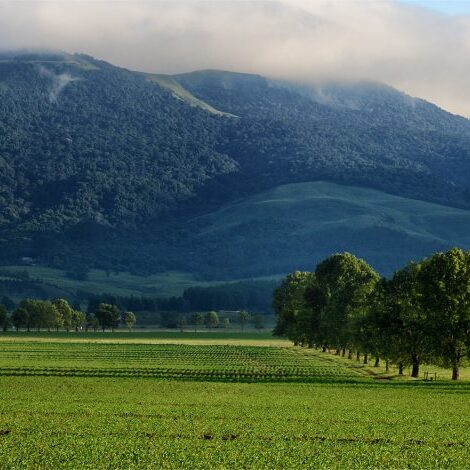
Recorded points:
(157, 336)
(130, 404)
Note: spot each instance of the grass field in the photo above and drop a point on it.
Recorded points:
(297, 225)
(125, 284)
(157, 400)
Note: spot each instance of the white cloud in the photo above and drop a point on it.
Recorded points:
(422, 52)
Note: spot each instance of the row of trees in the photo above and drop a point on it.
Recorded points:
(211, 320)
(420, 315)
(246, 295)
(58, 314)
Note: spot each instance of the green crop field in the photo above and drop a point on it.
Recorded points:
(171, 400)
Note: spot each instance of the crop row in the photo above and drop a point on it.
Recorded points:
(171, 361)
(222, 375)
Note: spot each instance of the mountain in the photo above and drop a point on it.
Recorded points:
(109, 168)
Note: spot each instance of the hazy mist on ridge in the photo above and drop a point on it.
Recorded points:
(417, 50)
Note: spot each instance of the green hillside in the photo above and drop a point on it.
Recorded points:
(294, 226)
(291, 227)
(169, 83)
(121, 284)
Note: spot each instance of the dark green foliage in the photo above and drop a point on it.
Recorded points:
(397, 326)
(197, 319)
(344, 283)
(290, 305)
(4, 320)
(366, 134)
(252, 295)
(243, 318)
(129, 320)
(211, 319)
(445, 281)
(103, 152)
(91, 322)
(66, 312)
(36, 314)
(108, 316)
(8, 303)
(421, 315)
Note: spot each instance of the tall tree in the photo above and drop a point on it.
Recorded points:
(91, 322)
(197, 319)
(405, 303)
(129, 320)
(66, 311)
(289, 303)
(445, 279)
(243, 318)
(21, 317)
(108, 315)
(79, 320)
(345, 282)
(212, 319)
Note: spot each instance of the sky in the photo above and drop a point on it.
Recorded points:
(420, 47)
(450, 7)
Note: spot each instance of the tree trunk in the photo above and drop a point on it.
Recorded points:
(400, 368)
(338, 352)
(414, 366)
(366, 358)
(350, 354)
(387, 365)
(377, 361)
(323, 349)
(455, 372)
(343, 352)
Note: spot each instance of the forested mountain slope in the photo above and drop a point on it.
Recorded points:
(364, 134)
(107, 167)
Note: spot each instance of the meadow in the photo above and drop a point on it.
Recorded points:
(98, 281)
(172, 400)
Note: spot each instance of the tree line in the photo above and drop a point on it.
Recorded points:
(420, 315)
(58, 314)
(212, 319)
(245, 295)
